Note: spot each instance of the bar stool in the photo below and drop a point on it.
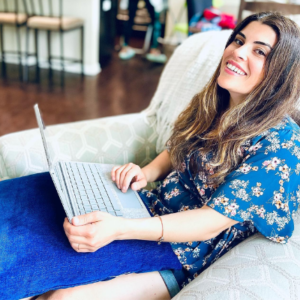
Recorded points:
(11, 15)
(39, 21)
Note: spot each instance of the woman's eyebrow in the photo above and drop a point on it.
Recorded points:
(256, 42)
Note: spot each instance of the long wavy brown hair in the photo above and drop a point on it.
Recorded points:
(208, 124)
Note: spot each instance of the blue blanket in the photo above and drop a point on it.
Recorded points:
(35, 254)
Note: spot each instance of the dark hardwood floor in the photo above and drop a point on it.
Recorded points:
(122, 87)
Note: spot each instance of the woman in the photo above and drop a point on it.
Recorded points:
(231, 167)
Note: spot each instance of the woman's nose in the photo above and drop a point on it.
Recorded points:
(241, 52)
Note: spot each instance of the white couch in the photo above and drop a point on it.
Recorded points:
(255, 269)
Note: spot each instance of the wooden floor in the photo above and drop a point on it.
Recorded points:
(122, 87)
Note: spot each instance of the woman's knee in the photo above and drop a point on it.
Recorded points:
(62, 294)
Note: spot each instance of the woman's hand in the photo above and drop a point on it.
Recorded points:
(90, 232)
(129, 174)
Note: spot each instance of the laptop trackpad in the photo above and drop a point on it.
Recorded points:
(128, 199)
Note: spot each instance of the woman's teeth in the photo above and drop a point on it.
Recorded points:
(235, 69)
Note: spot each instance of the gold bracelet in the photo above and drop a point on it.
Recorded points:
(162, 230)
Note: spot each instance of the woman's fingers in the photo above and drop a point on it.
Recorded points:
(85, 236)
(131, 176)
(113, 172)
(127, 175)
(118, 173)
(81, 248)
(85, 231)
(137, 185)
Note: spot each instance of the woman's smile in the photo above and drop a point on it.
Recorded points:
(234, 68)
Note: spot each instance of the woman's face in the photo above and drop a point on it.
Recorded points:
(242, 67)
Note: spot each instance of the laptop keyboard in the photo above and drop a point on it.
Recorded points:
(90, 190)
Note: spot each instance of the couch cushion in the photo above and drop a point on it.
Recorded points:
(189, 69)
(113, 140)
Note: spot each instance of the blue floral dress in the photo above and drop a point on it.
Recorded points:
(262, 194)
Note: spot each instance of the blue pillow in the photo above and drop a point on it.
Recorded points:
(35, 254)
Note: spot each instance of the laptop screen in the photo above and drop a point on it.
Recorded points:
(43, 131)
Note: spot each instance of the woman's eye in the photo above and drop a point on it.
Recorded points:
(260, 52)
(238, 41)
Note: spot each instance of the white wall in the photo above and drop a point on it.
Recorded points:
(231, 7)
(89, 10)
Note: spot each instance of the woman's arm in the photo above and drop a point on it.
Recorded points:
(159, 168)
(192, 225)
(92, 231)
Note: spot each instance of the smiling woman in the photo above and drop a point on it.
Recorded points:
(245, 59)
(230, 170)
(234, 108)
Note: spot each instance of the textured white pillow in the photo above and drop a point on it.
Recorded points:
(189, 69)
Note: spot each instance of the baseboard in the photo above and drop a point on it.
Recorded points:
(89, 69)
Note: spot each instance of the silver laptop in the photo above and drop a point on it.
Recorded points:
(88, 187)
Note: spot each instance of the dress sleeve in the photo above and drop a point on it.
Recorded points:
(265, 189)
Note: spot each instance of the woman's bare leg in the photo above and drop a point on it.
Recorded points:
(125, 287)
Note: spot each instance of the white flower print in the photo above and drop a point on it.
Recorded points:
(275, 161)
(277, 196)
(220, 244)
(188, 267)
(274, 140)
(237, 184)
(184, 208)
(245, 168)
(298, 194)
(285, 175)
(173, 193)
(224, 200)
(217, 200)
(271, 164)
(261, 212)
(287, 145)
(255, 147)
(231, 209)
(245, 215)
(196, 252)
(257, 190)
(242, 194)
(179, 252)
(284, 168)
(285, 207)
(274, 218)
(240, 187)
(296, 152)
(200, 190)
(297, 171)
(278, 239)
(295, 137)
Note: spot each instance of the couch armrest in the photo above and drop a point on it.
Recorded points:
(255, 269)
(114, 140)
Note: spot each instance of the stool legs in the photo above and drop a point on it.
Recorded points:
(82, 51)
(3, 65)
(19, 53)
(26, 73)
(62, 72)
(50, 73)
(37, 64)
